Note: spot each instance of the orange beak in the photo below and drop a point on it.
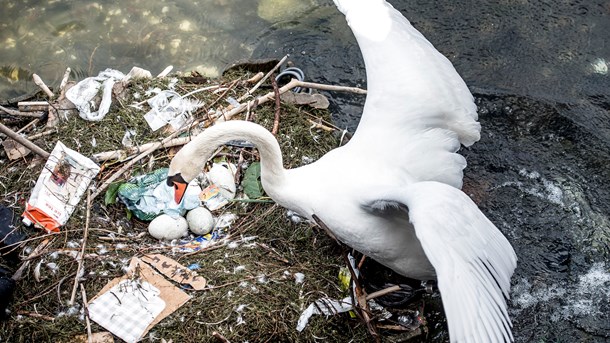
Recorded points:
(179, 186)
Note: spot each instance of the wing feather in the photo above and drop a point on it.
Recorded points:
(473, 260)
(417, 105)
(410, 83)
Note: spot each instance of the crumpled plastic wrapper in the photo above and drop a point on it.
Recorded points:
(83, 94)
(148, 195)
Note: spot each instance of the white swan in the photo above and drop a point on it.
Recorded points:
(392, 192)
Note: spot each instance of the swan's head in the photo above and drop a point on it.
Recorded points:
(191, 159)
(179, 184)
(188, 163)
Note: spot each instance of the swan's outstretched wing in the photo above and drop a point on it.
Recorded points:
(410, 84)
(412, 89)
(473, 260)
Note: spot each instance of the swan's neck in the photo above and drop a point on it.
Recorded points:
(195, 154)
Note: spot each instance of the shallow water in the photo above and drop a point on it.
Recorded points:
(45, 37)
(539, 71)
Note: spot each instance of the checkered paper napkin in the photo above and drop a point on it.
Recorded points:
(127, 309)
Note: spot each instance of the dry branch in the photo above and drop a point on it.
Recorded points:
(276, 119)
(129, 164)
(33, 106)
(19, 113)
(223, 116)
(38, 81)
(279, 64)
(383, 292)
(84, 295)
(122, 154)
(64, 80)
(82, 251)
(24, 141)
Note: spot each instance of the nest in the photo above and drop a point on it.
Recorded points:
(253, 294)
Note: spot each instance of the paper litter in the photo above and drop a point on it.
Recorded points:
(59, 188)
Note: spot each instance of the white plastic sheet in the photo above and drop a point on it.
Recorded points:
(83, 94)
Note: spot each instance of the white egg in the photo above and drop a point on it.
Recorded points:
(223, 175)
(166, 227)
(200, 220)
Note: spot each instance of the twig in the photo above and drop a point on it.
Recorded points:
(19, 113)
(89, 71)
(129, 164)
(33, 106)
(30, 124)
(276, 120)
(208, 107)
(278, 256)
(317, 125)
(220, 337)
(115, 239)
(257, 77)
(360, 293)
(84, 295)
(222, 116)
(64, 80)
(44, 133)
(324, 87)
(279, 64)
(290, 85)
(82, 251)
(383, 292)
(240, 281)
(122, 154)
(36, 315)
(165, 72)
(38, 81)
(24, 141)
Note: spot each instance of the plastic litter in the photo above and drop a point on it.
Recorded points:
(212, 197)
(7, 287)
(326, 306)
(148, 195)
(10, 235)
(222, 175)
(84, 93)
(60, 186)
(169, 107)
(291, 73)
(198, 243)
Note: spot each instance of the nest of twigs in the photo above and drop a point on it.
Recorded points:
(252, 294)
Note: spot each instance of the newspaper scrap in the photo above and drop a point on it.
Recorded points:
(131, 305)
(60, 186)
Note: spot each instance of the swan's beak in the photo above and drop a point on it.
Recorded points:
(179, 185)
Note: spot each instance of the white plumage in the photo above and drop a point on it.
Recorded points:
(403, 155)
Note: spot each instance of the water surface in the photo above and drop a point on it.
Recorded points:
(539, 71)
